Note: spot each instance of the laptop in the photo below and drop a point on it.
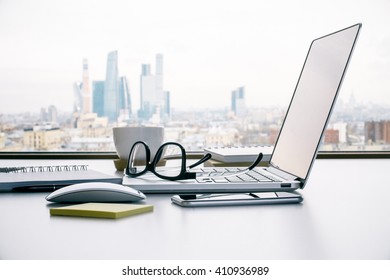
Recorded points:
(300, 136)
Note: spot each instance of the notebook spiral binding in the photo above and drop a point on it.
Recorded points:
(48, 168)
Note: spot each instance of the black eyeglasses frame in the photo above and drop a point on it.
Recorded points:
(151, 165)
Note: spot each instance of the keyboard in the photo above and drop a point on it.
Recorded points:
(233, 175)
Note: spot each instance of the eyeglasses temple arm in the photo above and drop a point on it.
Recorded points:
(202, 160)
(256, 162)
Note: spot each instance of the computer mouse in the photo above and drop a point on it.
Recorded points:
(95, 192)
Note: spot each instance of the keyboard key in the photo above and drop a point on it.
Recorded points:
(204, 180)
(247, 178)
(234, 179)
(220, 180)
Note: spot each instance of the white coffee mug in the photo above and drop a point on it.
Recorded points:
(126, 136)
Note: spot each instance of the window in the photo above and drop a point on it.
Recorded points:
(211, 72)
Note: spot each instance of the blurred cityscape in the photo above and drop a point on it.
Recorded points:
(101, 105)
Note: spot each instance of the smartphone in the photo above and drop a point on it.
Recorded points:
(232, 199)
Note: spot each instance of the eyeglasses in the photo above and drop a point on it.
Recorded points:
(139, 161)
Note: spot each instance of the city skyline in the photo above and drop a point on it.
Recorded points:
(208, 52)
(111, 97)
(351, 128)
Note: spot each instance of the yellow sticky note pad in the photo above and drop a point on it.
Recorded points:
(102, 210)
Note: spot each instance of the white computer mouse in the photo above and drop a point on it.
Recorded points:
(95, 192)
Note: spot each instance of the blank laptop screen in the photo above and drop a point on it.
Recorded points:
(313, 100)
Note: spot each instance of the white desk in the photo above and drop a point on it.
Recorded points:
(345, 215)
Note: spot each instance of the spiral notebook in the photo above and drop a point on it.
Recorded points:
(50, 177)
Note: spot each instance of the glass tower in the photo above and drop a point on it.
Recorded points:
(98, 97)
(78, 101)
(153, 98)
(111, 87)
(85, 89)
(148, 92)
(124, 98)
(238, 101)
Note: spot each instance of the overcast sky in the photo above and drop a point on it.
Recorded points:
(210, 48)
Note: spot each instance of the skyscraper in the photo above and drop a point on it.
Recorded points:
(167, 104)
(52, 114)
(238, 101)
(159, 79)
(111, 87)
(147, 91)
(124, 99)
(98, 97)
(153, 99)
(77, 98)
(85, 90)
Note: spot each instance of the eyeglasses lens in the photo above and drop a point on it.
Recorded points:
(137, 159)
(168, 152)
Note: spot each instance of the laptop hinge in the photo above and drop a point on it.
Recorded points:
(285, 175)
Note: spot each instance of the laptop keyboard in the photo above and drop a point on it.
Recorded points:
(226, 175)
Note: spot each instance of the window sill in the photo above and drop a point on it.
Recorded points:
(352, 155)
(58, 155)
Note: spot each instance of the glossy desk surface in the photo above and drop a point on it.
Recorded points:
(345, 215)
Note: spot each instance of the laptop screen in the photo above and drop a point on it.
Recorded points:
(313, 100)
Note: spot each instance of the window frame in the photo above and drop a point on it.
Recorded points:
(113, 155)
